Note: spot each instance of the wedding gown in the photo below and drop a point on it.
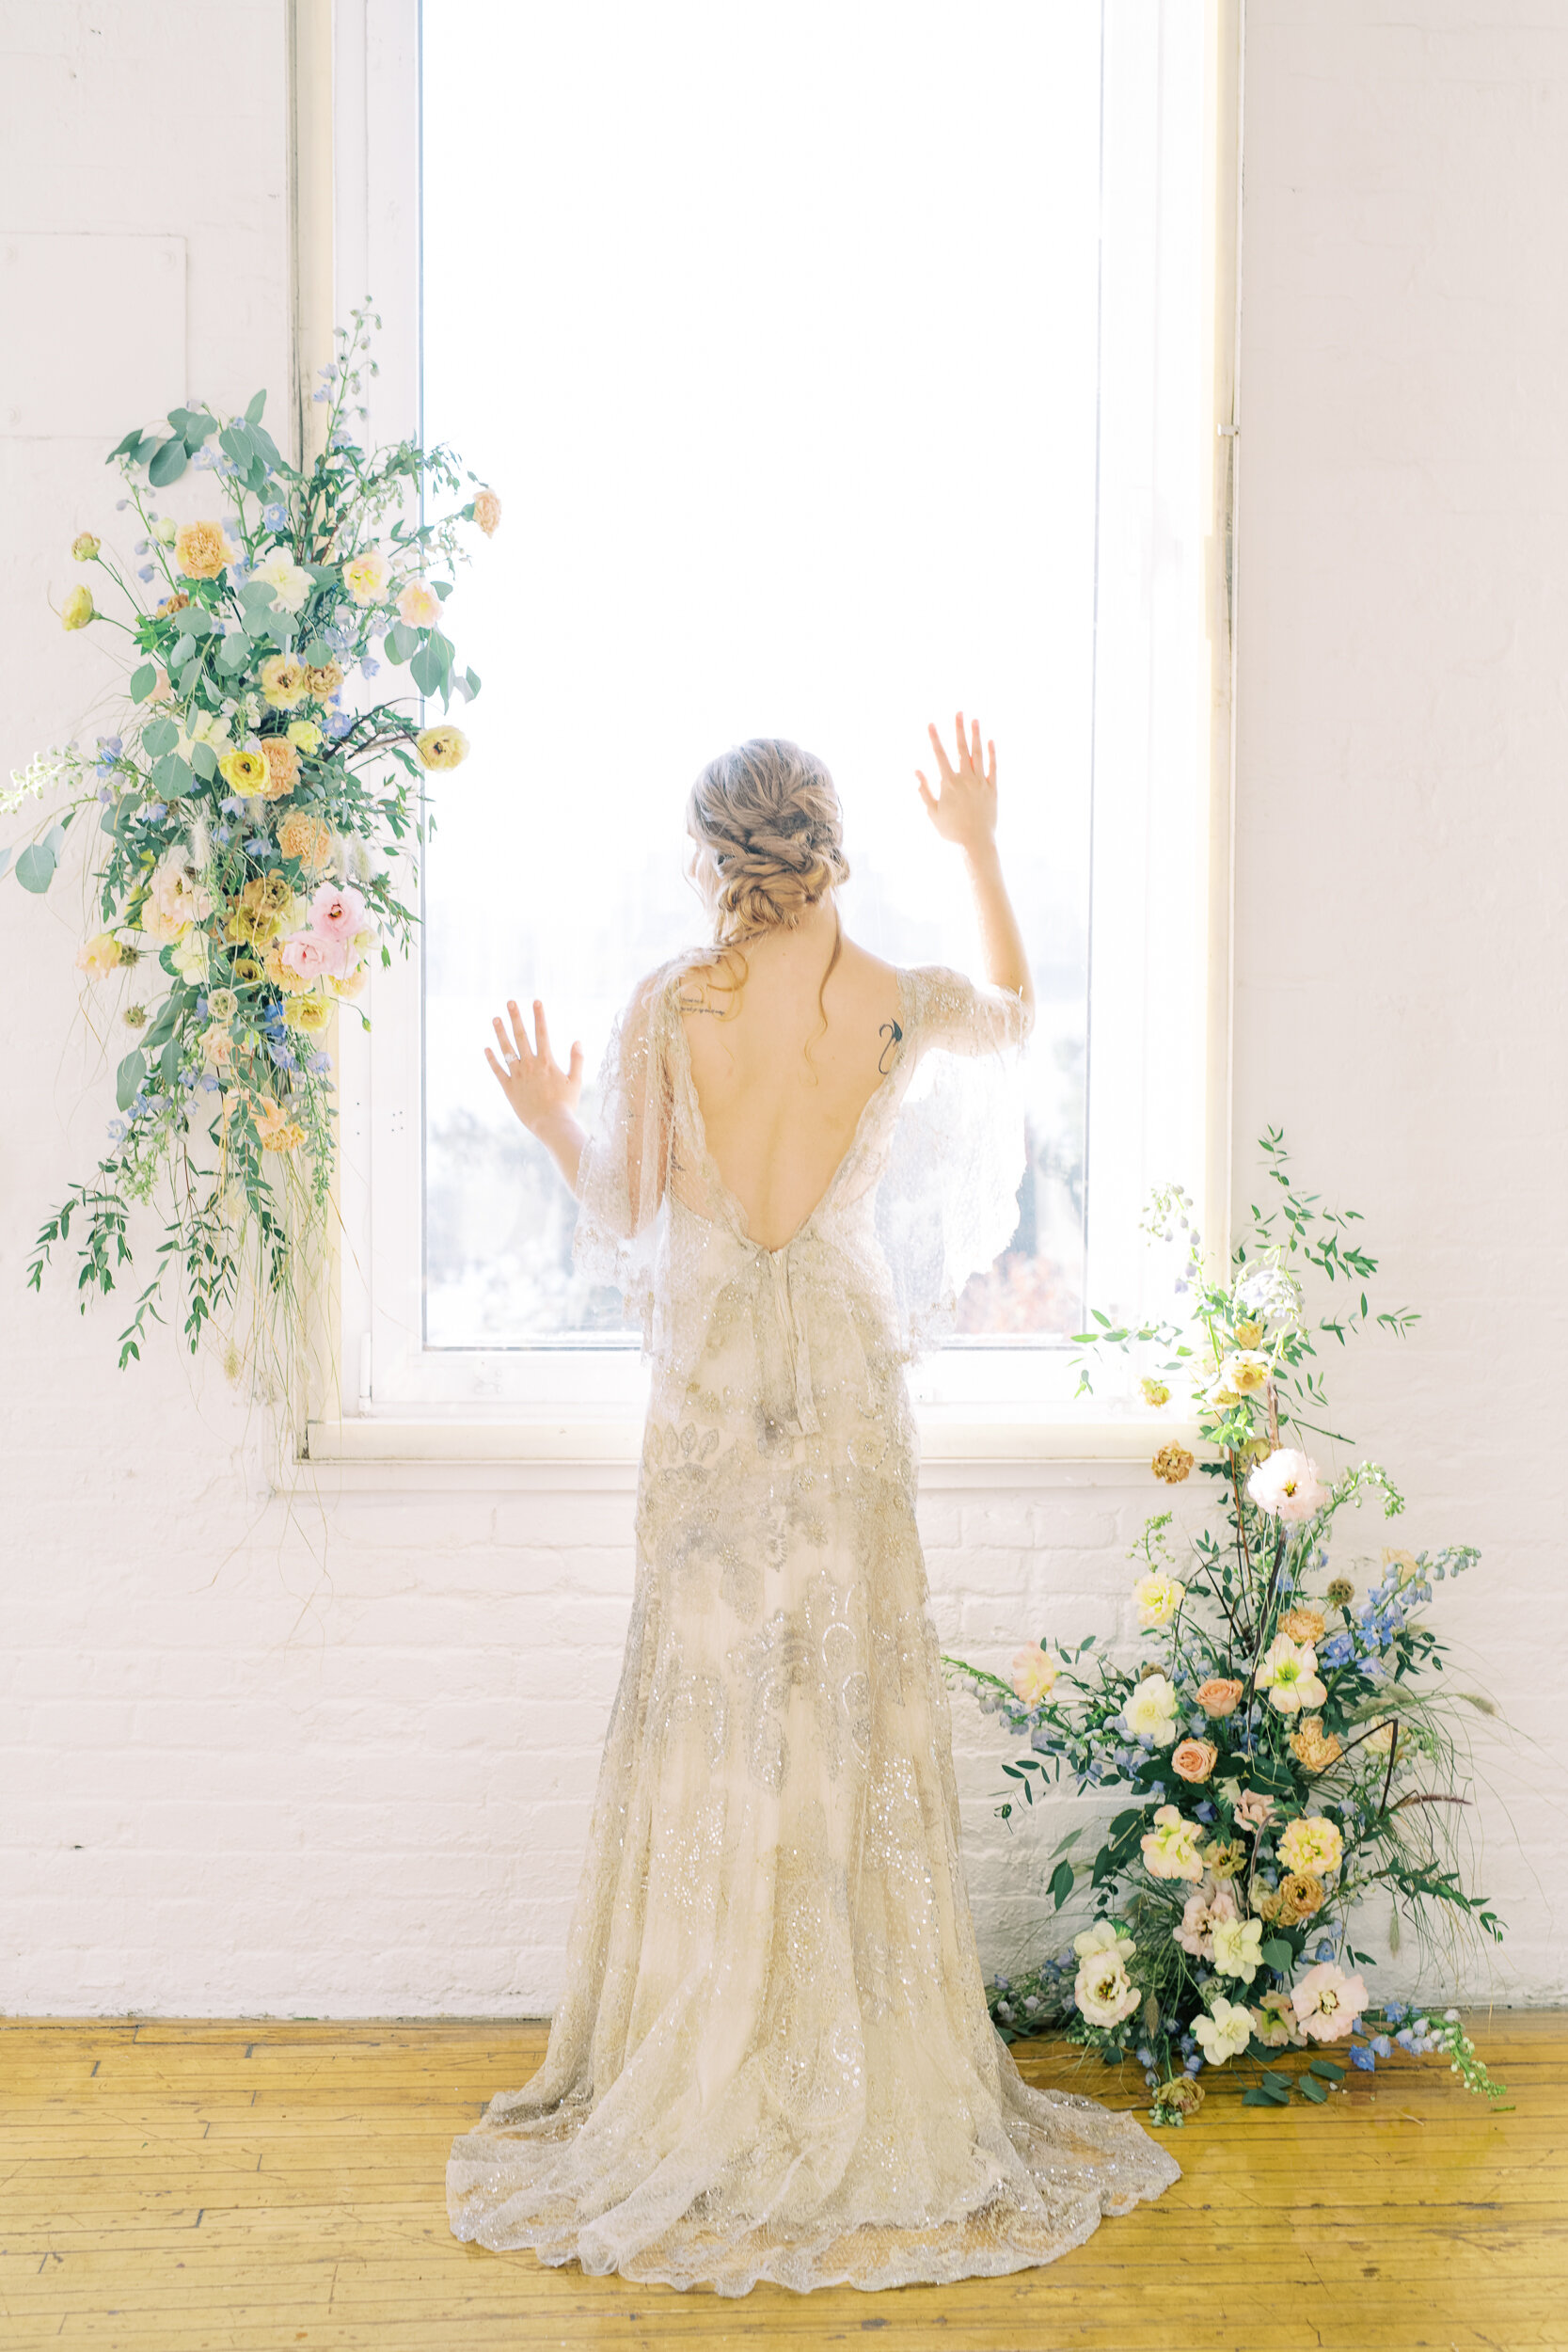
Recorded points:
(773, 2058)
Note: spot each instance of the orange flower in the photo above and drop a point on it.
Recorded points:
(1299, 1897)
(1194, 1759)
(1303, 1625)
(283, 766)
(306, 839)
(1172, 1463)
(1313, 1747)
(1219, 1696)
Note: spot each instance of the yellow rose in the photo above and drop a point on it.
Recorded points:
(77, 609)
(284, 681)
(202, 551)
(243, 770)
(442, 747)
(85, 547)
(305, 736)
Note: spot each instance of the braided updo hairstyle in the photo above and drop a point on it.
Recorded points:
(766, 815)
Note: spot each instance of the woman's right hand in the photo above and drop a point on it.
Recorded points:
(539, 1090)
(963, 809)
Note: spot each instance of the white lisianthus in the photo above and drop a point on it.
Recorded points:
(1245, 1370)
(1237, 1945)
(201, 727)
(1102, 1990)
(1286, 1486)
(289, 582)
(1106, 1935)
(1159, 1596)
(1225, 2033)
(1150, 1707)
(1288, 1671)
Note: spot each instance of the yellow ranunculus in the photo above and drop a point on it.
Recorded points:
(309, 1013)
(1154, 1391)
(305, 736)
(442, 747)
(243, 770)
(77, 609)
(85, 547)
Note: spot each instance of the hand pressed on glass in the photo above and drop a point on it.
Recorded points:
(543, 1096)
(964, 809)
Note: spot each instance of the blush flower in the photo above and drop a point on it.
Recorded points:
(1034, 1670)
(1327, 2002)
(418, 605)
(366, 577)
(282, 765)
(313, 956)
(488, 512)
(99, 957)
(1286, 1486)
(1253, 1809)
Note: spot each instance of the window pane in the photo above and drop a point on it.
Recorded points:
(776, 331)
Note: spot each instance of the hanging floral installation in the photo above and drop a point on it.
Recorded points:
(1289, 1744)
(253, 808)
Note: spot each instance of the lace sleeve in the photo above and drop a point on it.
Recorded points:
(625, 1168)
(948, 1203)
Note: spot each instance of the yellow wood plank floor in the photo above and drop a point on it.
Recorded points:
(213, 2187)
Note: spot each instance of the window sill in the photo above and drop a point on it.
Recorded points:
(956, 1449)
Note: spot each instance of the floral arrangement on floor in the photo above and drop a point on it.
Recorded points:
(1290, 1746)
(250, 805)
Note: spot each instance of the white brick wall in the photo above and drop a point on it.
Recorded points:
(332, 1754)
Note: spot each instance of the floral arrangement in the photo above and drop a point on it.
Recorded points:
(1288, 1744)
(250, 805)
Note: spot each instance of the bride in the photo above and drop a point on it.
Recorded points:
(773, 2058)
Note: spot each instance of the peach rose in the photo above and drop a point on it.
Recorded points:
(1219, 1696)
(488, 512)
(1194, 1759)
(1303, 1625)
(306, 839)
(282, 760)
(420, 606)
(202, 551)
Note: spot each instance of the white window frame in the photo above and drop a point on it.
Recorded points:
(1159, 1064)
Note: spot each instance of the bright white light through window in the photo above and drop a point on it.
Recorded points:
(776, 331)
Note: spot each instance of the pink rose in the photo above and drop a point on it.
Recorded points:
(339, 912)
(314, 955)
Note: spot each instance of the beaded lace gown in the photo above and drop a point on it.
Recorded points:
(773, 2058)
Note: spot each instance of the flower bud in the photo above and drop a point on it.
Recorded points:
(77, 609)
(85, 547)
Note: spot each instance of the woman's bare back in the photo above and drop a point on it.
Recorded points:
(781, 1096)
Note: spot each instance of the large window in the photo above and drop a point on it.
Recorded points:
(838, 367)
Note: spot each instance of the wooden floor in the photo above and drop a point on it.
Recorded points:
(169, 2188)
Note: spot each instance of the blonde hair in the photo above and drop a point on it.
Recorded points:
(768, 815)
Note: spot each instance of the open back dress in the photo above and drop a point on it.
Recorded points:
(773, 2058)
